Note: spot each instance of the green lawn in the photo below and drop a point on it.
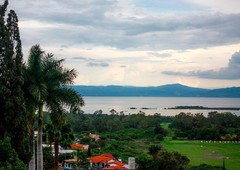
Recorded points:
(209, 153)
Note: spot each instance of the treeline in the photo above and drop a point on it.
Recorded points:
(99, 123)
(216, 126)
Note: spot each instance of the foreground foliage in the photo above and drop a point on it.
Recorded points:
(9, 159)
(13, 122)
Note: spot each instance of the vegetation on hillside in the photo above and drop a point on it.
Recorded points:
(131, 135)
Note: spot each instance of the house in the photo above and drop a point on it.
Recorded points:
(69, 164)
(102, 162)
(106, 162)
(94, 136)
(79, 146)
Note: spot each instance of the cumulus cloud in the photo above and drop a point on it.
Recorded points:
(231, 72)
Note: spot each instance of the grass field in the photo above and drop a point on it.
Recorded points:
(209, 153)
(202, 152)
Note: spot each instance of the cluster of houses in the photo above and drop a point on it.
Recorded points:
(101, 162)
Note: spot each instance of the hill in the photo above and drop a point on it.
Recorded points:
(171, 90)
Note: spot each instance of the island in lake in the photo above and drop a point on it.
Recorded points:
(204, 108)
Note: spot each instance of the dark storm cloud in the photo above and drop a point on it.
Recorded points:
(231, 72)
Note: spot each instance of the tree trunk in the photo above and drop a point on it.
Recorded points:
(31, 165)
(39, 144)
(56, 151)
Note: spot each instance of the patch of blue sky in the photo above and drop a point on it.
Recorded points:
(168, 6)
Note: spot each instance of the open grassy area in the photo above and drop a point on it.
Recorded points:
(198, 152)
(202, 152)
(209, 153)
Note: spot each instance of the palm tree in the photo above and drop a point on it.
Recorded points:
(48, 82)
(59, 97)
(31, 106)
(34, 89)
(59, 132)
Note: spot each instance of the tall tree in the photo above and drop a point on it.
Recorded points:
(48, 83)
(31, 106)
(63, 97)
(13, 122)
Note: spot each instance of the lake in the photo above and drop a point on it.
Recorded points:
(157, 104)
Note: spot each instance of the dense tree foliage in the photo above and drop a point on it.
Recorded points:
(13, 122)
(132, 133)
(216, 126)
(118, 132)
(9, 158)
(99, 122)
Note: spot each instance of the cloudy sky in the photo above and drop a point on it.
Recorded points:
(138, 42)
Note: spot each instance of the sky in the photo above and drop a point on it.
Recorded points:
(137, 42)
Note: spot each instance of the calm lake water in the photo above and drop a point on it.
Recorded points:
(156, 104)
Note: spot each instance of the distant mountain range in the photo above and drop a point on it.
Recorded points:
(171, 90)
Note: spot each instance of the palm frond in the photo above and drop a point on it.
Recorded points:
(65, 97)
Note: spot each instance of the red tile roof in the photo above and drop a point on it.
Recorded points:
(100, 158)
(76, 146)
(79, 146)
(112, 162)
